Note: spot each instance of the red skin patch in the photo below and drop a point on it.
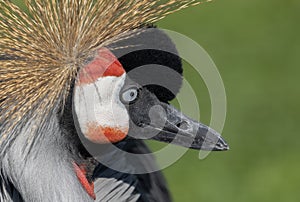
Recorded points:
(103, 135)
(104, 64)
(81, 175)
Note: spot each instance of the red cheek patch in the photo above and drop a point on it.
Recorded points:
(102, 135)
(104, 64)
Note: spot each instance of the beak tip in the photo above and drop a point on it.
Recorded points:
(222, 145)
(226, 148)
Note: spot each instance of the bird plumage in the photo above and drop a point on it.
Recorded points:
(48, 42)
(46, 173)
(42, 49)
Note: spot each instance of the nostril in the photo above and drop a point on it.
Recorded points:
(183, 125)
(141, 124)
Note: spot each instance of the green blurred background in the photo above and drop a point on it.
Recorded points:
(256, 47)
(255, 44)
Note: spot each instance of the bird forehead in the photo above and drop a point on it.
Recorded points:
(104, 64)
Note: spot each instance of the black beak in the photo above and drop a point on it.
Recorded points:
(182, 130)
(171, 126)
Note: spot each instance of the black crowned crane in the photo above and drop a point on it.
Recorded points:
(69, 94)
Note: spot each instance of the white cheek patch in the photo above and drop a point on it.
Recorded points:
(100, 114)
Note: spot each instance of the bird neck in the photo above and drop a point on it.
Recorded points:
(46, 172)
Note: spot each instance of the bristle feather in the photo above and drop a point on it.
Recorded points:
(44, 47)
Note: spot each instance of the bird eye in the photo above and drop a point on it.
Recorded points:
(130, 95)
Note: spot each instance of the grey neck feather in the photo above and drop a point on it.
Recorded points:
(43, 174)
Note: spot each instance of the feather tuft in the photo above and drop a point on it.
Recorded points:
(43, 46)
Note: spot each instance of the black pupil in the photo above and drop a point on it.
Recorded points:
(132, 94)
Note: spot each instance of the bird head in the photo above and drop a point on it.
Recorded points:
(125, 93)
(52, 43)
